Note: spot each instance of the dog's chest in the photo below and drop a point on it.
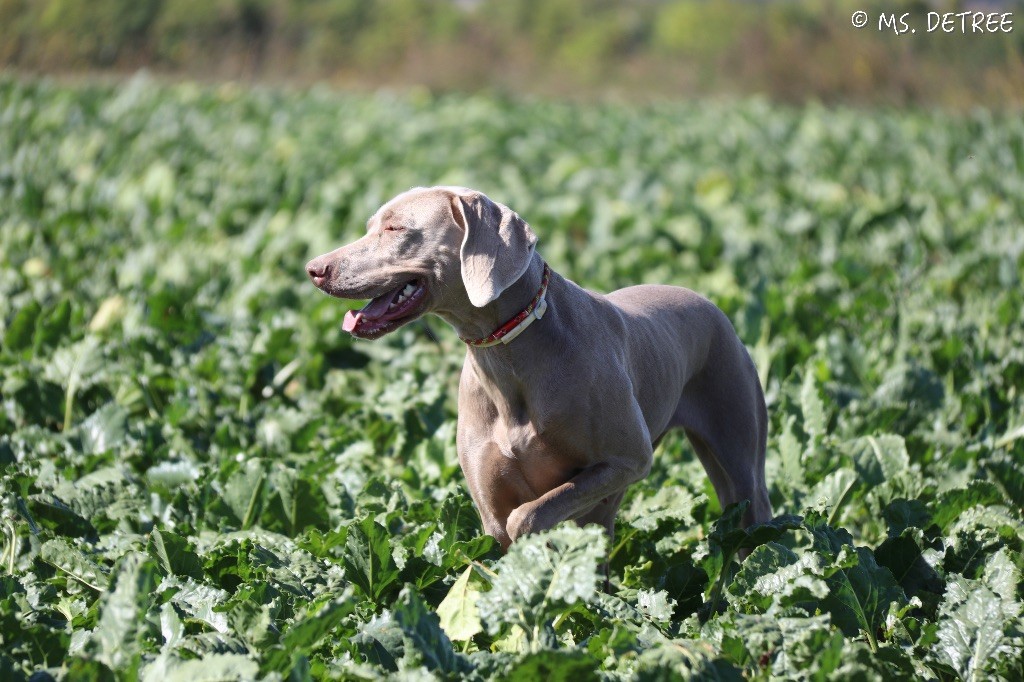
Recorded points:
(519, 440)
(536, 443)
(543, 462)
(532, 428)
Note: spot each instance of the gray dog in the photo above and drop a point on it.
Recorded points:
(565, 393)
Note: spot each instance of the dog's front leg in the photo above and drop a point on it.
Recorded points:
(599, 484)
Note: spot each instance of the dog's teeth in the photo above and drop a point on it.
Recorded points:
(409, 288)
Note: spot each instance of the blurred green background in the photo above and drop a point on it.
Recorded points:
(789, 50)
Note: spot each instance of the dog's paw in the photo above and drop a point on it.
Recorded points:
(521, 521)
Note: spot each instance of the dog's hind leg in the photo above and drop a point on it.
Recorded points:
(735, 485)
(726, 425)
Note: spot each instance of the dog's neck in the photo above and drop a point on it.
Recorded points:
(475, 323)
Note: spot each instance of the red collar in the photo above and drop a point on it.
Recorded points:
(514, 327)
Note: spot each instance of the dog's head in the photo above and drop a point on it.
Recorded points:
(427, 250)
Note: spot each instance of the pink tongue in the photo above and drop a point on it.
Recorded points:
(378, 306)
(373, 310)
(351, 321)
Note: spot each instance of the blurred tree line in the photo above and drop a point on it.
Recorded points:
(791, 50)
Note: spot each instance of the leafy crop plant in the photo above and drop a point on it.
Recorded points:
(203, 478)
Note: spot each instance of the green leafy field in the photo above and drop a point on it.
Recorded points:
(204, 478)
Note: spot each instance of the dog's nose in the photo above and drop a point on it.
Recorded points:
(318, 270)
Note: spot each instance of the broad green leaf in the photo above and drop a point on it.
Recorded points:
(381, 642)
(1003, 575)
(76, 367)
(74, 563)
(247, 555)
(790, 457)
(612, 643)
(21, 329)
(96, 494)
(197, 601)
(408, 639)
(992, 519)
(52, 325)
(437, 549)
(905, 560)
(749, 640)
(30, 399)
(174, 556)
(952, 503)
(52, 512)
(903, 514)
(368, 560)
(728, 537)
(124, 622)
(617, 609)
(301, 501)
(44, 642)
(1008, 476)
(103, 429)
(426, 644)
(684, 659)
(657, 606)
(675, 573)
(835, 491)
(243, 492)
(774, 578)
(307, 633)
(457, 611)
(311, 629)
(254, 624)
(323, 545)
(878, 458)
(911, 390)
(172, 474)
(789, 647)
(813, 408)
(541, 575)
(860, 591)
(211, 668)
(554, 666)
(668, 503)
(171, 628)
(975, 632)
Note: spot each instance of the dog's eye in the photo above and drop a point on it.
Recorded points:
(394, 228)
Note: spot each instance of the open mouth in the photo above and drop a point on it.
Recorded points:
(387, 312)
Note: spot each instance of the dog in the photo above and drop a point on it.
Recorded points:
(565, 393)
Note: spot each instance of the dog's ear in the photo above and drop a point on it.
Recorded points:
(496, 247)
